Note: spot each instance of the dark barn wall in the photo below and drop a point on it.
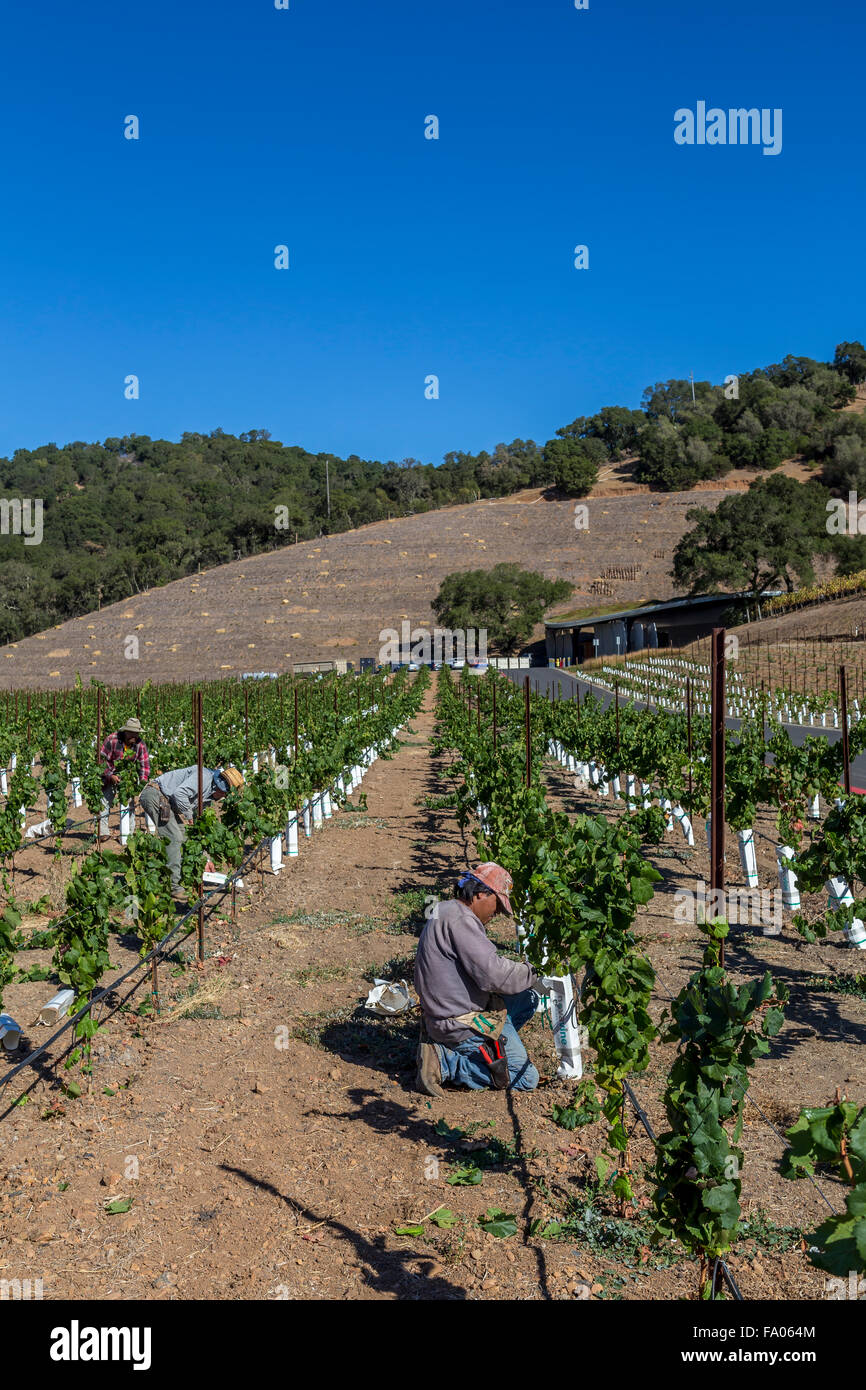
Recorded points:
(673, 627)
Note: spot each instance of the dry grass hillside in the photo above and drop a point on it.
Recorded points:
(333, 596)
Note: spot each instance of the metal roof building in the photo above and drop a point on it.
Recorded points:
(673, 623)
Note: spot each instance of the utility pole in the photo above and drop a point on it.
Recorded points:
(328, 487)
(692, 380)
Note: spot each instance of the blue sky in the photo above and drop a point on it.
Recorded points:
(411, 257)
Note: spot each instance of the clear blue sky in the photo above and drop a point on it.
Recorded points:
(410, 256)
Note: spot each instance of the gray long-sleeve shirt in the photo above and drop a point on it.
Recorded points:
(457, 968)
(181, 788)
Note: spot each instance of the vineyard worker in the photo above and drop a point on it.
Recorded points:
(474, 1001)
(172, 799)
(115, 747)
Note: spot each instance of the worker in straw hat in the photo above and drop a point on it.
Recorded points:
(127, 740)
(171, 801)
(474, 1001)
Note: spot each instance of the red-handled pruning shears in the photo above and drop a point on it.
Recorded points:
(497, 1062)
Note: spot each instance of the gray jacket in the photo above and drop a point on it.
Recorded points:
(181, 788)
(457, 968)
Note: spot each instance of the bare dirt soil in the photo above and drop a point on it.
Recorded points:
(266, 1128)
(331, 598)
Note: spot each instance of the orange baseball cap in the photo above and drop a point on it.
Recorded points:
(499, 881)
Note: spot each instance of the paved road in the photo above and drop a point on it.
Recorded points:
(551, 680)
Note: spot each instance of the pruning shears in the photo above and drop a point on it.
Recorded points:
(496, 1061)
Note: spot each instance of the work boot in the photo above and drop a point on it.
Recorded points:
(428, 1077)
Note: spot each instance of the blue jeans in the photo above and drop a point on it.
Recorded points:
(463, 1064)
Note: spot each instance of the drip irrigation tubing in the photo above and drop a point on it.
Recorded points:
(158, 951)
(639, 1110)
(719, 1267)
(641, 1116)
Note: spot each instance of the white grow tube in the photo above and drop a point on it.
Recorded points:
(685, 823)
(787, 877)
(292, 836)
(566, 1035)
(127, 822)
(840, 895)
(276, 853)
(856, 934)
(748, 859)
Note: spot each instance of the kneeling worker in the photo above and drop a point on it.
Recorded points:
(171, 800)
(474, 1001)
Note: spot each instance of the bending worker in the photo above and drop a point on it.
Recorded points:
(128, 739)
(474, 1001)
(171, 800)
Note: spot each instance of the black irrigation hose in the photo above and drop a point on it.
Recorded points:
(638, 1110)
(158, 950)
(767, 1121)
(720, 1268)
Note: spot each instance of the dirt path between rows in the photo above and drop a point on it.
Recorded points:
(272, 1141)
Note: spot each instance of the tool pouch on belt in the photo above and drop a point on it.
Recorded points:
(163, 815)
(488, 1023)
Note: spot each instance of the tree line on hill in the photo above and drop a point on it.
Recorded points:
(769, 537)
(756, 421)
(132, 513)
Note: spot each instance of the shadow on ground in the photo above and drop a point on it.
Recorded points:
(383, 1271)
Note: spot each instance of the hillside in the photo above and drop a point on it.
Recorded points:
(332, 597)
(134, 513)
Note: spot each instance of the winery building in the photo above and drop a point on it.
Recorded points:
(675, 623)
